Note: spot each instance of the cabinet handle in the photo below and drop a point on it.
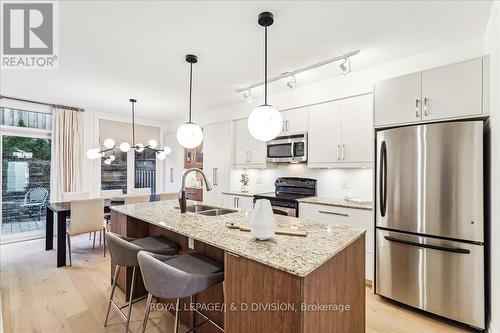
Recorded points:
(287, 125)
(246, 156)
(283, 126)
(217, 176)
(425, 106)
(250, 154)
(338, 149)
(333, 213)
(171, 175)
(234, 202)
(417, 107)
(213, 177)
(343, 151)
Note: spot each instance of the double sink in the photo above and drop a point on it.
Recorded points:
(208, 210)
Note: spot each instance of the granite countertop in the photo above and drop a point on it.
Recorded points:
(296, 255)
(336, 203)
(244, 194)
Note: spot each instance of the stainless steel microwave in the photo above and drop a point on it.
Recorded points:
(290, 148)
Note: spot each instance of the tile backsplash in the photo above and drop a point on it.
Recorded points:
(335, 183)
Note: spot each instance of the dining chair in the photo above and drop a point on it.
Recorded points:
(169, 196)
(108, 194)
(143, 191)
(70, 196)
(132, 199)
(86, 216)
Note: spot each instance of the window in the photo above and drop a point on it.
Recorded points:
(145, 170)
(23, 118)
(25, 183)
(114, 175)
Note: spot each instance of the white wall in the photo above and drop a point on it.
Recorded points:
(331, 182)
(492, 47)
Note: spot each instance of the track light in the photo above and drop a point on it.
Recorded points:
(247, 94)
(345, 67)
(292, 82)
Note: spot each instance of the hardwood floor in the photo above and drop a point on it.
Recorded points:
(38, 297)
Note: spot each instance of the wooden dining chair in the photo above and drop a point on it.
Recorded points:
(133, 199)
(143, 191)
(86, 216)
(108, 194)
(169, 196)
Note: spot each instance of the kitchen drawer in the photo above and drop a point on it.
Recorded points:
(358, 218)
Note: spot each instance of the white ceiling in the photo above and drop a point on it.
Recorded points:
(111, 51)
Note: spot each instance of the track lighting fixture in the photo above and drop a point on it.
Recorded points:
(247, 94)
(292, 81)
(345, 67)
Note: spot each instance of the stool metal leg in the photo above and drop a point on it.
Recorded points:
(176, 324)
(146, 312)
(115, 278)
(192, 312)
(131, 298)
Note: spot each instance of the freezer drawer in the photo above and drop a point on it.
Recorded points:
(442, 277)
(430, 180)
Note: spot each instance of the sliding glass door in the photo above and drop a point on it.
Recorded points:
(25, 160)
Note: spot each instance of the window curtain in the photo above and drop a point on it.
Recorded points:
(67, 153)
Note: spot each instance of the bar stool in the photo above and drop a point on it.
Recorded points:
(124, 252)
(178, 277)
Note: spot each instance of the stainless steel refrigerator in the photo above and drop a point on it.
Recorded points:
(430, 219)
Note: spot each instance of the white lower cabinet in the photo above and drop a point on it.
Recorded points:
(238, 201)
(358, 218)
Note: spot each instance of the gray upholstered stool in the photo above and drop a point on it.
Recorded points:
(124, 253)
(178, 277)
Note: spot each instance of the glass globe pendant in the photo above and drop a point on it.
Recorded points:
(190, 135)
(264, 122)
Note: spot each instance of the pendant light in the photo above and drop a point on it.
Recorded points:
(264, 122)
(109, 144)
(190, 135)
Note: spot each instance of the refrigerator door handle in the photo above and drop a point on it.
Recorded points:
(383, 179)
(428, 246)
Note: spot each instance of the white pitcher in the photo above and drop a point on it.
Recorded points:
(263, 223)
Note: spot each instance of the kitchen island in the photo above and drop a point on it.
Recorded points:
(287, 284)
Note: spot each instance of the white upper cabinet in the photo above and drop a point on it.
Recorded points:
(294, 121)
(174, 164)
(397, 100)
(448, 92)
(248, 152)
(340, 133)
(357, 129)
(216, 161)
(325, 134)
(452, 91)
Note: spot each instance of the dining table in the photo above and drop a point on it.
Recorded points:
(62, 210)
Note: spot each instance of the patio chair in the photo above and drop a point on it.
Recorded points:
(34, 200)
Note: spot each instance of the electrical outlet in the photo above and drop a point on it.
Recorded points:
(191, 243)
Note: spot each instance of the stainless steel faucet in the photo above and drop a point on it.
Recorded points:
(182, 192)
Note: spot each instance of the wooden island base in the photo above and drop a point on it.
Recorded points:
(259, 298)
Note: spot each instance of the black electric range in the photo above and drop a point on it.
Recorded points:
(287, 191)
